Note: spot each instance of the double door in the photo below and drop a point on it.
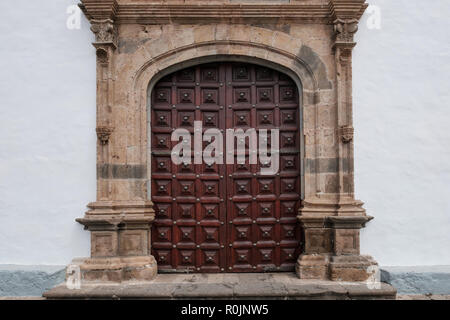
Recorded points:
(225, 217)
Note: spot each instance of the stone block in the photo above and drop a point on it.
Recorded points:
(346, 241)
(352, 268)
(117, 269)
(312, 267)
(103, 243)
(317, 240)
(133, 242)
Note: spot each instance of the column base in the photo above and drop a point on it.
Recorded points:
(120, 243)
(353, 268)
(113, 269)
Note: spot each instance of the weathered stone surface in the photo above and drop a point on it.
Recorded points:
(226, 286)
(115, 269)
(313, 266)
(351, 268)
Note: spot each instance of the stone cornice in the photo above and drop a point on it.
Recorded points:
(347, 9)
(99, 9)
(159, 13)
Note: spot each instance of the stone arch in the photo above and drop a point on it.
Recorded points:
(299, 70)
(306, 65)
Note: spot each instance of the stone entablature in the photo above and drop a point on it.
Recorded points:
(224, 11)
(139, 42)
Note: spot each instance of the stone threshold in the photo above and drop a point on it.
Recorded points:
(283, 286)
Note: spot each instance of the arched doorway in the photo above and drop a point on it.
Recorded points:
(225, 217)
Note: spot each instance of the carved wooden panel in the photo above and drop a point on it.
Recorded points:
(225, 217)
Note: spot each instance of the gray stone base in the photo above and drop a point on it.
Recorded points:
(226, 286)
(22, 281)
(423, 280)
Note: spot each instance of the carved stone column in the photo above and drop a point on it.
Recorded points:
(332, 222)
(120, 227)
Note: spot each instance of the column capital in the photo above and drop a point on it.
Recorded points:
(345, 15)
(345, 30)
(102, 14)
(106, 33)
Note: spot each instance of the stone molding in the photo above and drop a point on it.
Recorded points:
(349, 222)
(159, 12)
(347, 9)
(340, 205)
(116, 208)
(100, 9)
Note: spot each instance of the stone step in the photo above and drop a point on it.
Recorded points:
(227, 286)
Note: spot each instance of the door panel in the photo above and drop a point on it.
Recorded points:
(225, 217)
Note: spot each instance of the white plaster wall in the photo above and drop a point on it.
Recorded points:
(47, 130)
(402, 122)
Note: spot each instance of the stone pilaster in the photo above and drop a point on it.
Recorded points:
(120, 227)
(332, 222)
(105, 44)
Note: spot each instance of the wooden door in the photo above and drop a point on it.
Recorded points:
(225, 217)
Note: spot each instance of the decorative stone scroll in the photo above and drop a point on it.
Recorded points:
(345, 29)
(105, 32)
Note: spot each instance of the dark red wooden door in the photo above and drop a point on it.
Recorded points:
(225, 217)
